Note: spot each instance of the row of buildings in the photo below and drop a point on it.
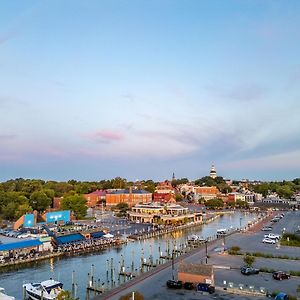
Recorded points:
(164, 193)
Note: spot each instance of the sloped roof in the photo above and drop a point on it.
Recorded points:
(98, 193)
(21, 244)
(127, 192)
(198, 269)
(70, 238)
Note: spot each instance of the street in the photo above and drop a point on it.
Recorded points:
(154, 286)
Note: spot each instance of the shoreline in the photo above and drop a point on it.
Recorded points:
(114, 243)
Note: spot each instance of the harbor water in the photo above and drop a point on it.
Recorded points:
(106, 264)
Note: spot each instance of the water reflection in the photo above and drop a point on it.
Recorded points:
(108, 262)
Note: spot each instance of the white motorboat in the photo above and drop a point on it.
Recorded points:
(45, 290)
(3, 296)
(195, 238)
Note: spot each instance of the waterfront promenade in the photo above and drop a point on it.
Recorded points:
(62, 268)
(152, 285)
(97, 245)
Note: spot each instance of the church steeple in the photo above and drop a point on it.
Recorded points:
(213, 172)
(173, 176)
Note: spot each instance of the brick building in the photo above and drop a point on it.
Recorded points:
(206, 192)
(164, 192)
(57, 202)
(196, 273)
(129, 196)
(95, 198)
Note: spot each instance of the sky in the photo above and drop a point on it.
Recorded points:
(96, 89)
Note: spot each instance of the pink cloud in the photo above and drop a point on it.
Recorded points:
(106, 135)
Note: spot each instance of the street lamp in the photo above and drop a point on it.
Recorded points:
(241, 223)
(173, 265)
(206, 251)
(224, 242)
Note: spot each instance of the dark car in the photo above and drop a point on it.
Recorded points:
(246, 270)
(205, 287)
(280, 275)
(188, 286)
(173, 284)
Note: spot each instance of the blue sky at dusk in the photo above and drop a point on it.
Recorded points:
(92, 90)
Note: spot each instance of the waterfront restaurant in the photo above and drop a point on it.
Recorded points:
(20, 249)
(165, 214)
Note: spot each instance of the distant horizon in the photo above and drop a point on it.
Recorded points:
(144, 179)
(92, 89)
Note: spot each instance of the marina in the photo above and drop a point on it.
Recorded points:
(112, 266)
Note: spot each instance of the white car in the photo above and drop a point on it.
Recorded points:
(268, 241)
(24, 236)
(272, 236)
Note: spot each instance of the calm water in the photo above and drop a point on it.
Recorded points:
(61, 269)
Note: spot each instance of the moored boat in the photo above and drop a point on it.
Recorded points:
(46, 290)
(3, 295)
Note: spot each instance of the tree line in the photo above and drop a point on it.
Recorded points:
(18, 196)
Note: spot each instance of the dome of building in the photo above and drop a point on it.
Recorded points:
(213, 172)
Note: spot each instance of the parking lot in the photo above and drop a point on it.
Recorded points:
(227, 267)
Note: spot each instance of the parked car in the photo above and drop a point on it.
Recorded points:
(246, 270)
(282, 296)
(272, 236)
(269, 241)
(188, 286)
(173, 284)
(24, 236)
(205, 287)
(267, 228)
(274, 220)
(280, 275)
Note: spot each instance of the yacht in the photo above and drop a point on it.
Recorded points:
(3, 296)
(46, 290)
(195, 238)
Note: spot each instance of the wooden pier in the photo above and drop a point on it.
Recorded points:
(127, 274)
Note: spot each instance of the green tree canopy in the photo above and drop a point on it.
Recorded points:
(219, 182)
(179, 197)
(23, 209)
(249, 260)
(75, 203)
(40, 201)
(214, 203)
(241, 204)
(9, 210)
(65, 295)
(284, 191)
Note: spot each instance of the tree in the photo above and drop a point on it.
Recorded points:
(23, 209)
(9, 210)
(149, 186)
(83, 188)
(40, 201)
(241, 204)
(230, 204)
(65, 295)
(262, 189)
(50, 193)
(178, 197)
(176, 182)
(214, 203)
(284, 191)
(122, 208)
(75, 203)
(249, 260)
(119, 183)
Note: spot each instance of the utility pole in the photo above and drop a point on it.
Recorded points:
(173, 265)
(206, 251)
